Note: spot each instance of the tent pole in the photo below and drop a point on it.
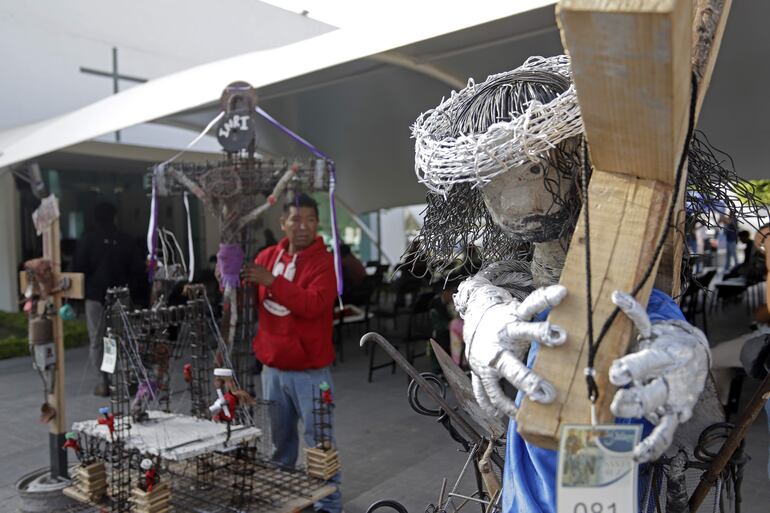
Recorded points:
(368, 231)
(379, 235)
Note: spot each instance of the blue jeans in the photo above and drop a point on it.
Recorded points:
(292, 394)
(731, 254)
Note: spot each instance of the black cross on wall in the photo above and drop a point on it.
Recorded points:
(116, 78)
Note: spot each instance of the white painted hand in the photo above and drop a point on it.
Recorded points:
(498, 332)
(666, 376)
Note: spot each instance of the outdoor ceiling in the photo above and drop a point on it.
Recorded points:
(359, 110)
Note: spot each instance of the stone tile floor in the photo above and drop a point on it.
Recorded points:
(387, 450)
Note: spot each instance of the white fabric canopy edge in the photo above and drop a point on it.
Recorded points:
(203, 84)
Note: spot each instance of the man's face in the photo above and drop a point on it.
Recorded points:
(300, 225)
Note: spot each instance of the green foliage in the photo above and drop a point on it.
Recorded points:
(762, 190)
(13, 334)
(11, 347)
(75, 334)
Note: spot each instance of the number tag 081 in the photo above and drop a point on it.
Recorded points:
(597, 473)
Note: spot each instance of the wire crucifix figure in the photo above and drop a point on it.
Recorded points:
(230, 189)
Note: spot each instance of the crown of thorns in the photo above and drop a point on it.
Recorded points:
(486, 129)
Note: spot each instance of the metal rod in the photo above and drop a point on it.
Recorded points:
(368, 231)
(469, 431)
(731, 444)
(465, 497)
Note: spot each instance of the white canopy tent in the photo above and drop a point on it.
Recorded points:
(354, 92)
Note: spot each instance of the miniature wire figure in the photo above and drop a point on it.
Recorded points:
(150, 475)
(229, 397)
(71, 442)
(106, 418)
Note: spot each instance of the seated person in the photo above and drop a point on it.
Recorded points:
(745, 268)
(354, 283)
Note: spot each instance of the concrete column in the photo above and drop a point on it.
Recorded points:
(9, 242)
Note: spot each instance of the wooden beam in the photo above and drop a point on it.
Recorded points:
(631, 68)
(709, 21)
(629, 216)
(52, 252)
(632, 72)
(76, 290)
(709, 24)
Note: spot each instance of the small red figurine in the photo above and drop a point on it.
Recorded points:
(71, 442)
(107, 419)
(326, 393)
(187, 372)
(224, 407)
(149, 474)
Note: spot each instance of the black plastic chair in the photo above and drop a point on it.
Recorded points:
(418, 330)
(693, 300)
(365, 303)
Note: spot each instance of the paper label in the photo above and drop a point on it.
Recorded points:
(45, 214)
(110, 355)
(597, 473)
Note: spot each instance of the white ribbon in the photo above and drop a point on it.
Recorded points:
(191, 259)
(288, 272)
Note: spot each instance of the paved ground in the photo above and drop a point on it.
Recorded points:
(387, 450)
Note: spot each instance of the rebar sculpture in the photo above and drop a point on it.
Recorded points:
(230, 189)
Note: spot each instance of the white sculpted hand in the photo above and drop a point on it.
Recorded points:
(498, 332)
(666, 376)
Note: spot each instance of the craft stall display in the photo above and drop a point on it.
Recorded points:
(147, 456)
(141, 453)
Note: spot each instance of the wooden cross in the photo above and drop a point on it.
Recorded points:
(632, 63)
(52, 252)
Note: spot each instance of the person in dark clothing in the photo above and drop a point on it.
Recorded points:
(353, 278)
(744, 268)
(730, 228)
(445, 322)
(106, 257)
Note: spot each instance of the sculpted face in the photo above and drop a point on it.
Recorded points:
(520, 204)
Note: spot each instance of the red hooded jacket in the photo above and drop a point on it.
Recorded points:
(302, 339)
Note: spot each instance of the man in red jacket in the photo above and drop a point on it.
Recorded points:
(297, 291)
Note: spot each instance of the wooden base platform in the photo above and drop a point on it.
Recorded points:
(89, 483)
(322, 464)
(156, 501)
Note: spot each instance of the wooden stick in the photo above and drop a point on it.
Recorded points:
(732, 443)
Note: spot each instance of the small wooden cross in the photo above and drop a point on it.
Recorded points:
(47, 222)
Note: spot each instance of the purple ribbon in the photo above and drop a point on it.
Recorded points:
(332, 187)
(149, 387)
(230, 261)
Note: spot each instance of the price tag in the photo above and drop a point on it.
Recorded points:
(597, 473)
(110, 355)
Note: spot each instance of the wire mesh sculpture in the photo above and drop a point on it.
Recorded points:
(521, 119)
(229, 190)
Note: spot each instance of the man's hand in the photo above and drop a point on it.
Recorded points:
(257, 274)
(665, 377)
(498, 332)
